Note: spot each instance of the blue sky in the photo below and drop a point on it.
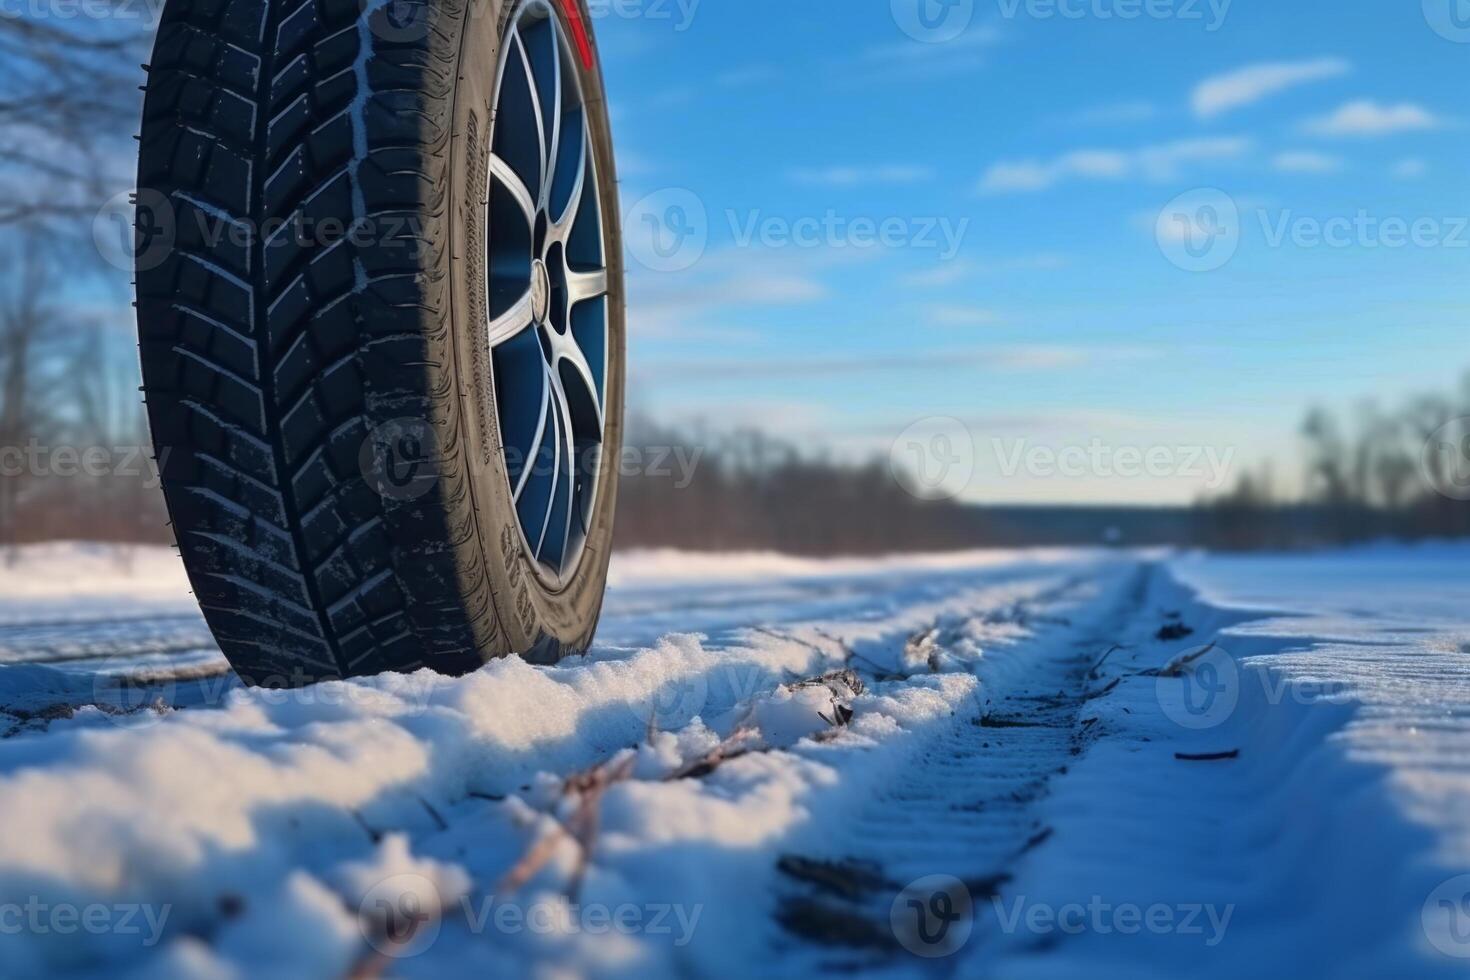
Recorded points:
(1040, 150)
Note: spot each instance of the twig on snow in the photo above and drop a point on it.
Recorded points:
(742, 742)
(1175, 667)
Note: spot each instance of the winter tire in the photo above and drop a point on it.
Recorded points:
(382, 343)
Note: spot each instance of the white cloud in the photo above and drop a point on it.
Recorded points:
(1251, 84)
(907, 59)
(963, 316)
(1306, 162)
(1116, 113)
(1005, 359)
(631, 163)
(860, 176)
(1410, 169)
(1178, 229)
(747, 76)
(1368, 118)
(1162, 162)
(1170, 227)
(1159, 162)
(945, 274)
(959, 270)
(1034, 175)
(724, 282)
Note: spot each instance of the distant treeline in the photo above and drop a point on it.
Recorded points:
(749, 491)
(1384, 474)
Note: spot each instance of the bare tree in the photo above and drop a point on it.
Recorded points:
(1424, 417)
(1326, 460)
(70, 101)
(24, 317)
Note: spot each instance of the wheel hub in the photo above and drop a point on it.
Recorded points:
(540, 291)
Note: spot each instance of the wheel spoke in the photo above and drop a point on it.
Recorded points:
(516, 187)
(558, 413)
(530, 461)
(561, 228)
(510, 323)
(552, 140)
(582, 286)
(570, 353)
(520, 50)
(570, 444)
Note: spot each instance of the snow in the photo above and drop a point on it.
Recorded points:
(1118, 764)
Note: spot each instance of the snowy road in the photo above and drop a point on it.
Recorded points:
(1041, 764)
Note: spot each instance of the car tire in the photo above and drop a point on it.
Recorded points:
(320, 257)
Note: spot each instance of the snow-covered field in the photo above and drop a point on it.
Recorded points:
(1042, 764)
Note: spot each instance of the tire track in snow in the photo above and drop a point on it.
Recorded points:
(966, 806)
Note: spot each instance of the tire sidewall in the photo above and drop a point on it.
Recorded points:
(530, 611)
